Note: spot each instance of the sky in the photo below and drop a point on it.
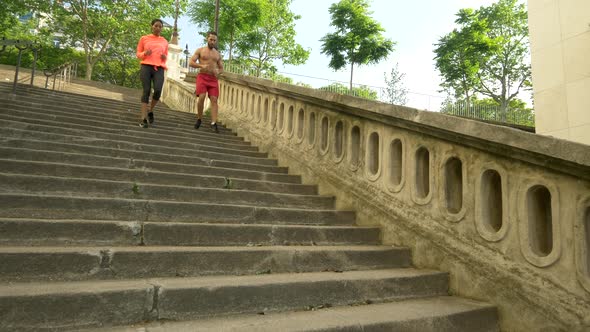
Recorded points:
(415, 26)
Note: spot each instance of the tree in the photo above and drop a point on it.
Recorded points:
(459, 55)
(10, 11)
(357, 39)
(236, 17)
(498, 70)
(94, 25)
(395, 89)
(273, 39)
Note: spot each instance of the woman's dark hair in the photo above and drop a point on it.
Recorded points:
(157, 20)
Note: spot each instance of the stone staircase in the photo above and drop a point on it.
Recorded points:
(108, 226)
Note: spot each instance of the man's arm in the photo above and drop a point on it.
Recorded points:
(220, 65)
(193, 61)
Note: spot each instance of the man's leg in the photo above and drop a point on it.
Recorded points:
(200, 106)
(214, 106)
(213, 100)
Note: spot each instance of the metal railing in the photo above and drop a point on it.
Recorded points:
(21, 45)
(491, 113)
(62, 75)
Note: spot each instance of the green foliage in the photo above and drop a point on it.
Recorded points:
(358, 38)
(236, 17)
(487, 54)
(272, 39)
(135, 189)
(395, 90)
(362, 91)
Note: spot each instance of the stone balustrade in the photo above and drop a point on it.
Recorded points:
(506, 212)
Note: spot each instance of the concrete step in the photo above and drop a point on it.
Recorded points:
(41, 96)
(144, 176)
(18, 264)
(25, 90)
(79, 187)
(121, 139)
(99, 116)
(137, 151)
(432, 314)
(22, 154)
(47, 232)
(201, 158)
(9, 129)
(96, 208)
(131, 129)
(30, 306)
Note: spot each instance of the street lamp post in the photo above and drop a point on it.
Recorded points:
(186, 53)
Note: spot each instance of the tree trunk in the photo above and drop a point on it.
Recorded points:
(89, 66)
(468, 104)
(503, 109)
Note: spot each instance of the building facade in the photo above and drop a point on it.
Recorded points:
(560, 55)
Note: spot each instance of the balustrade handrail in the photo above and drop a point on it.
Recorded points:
(489, 113)
(502, 207)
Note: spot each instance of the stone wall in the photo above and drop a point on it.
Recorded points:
(506, 212)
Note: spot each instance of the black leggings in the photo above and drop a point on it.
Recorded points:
(147, 74)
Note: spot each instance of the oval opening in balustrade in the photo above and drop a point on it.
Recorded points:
(290, 116)
(311, 129)
(232, 98)
(540, 230)
(300, 123)
(422, 172)
(453, 170)
(338, 139)
(324, 134)
(281, 116)
(395, 162)
(587, 239)
(373, 154)
(273, 114)
(490, 194)
(355, 145)
(265, 118)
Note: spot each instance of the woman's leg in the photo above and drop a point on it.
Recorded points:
(158, 78)
(145, 75)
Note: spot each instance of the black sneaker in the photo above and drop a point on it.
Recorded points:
(143, 124)
(151, 117)
(214, 127)
(198, 124)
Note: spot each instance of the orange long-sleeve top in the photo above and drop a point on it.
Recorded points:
(158, 45)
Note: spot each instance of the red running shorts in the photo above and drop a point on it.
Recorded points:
(207, 83)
